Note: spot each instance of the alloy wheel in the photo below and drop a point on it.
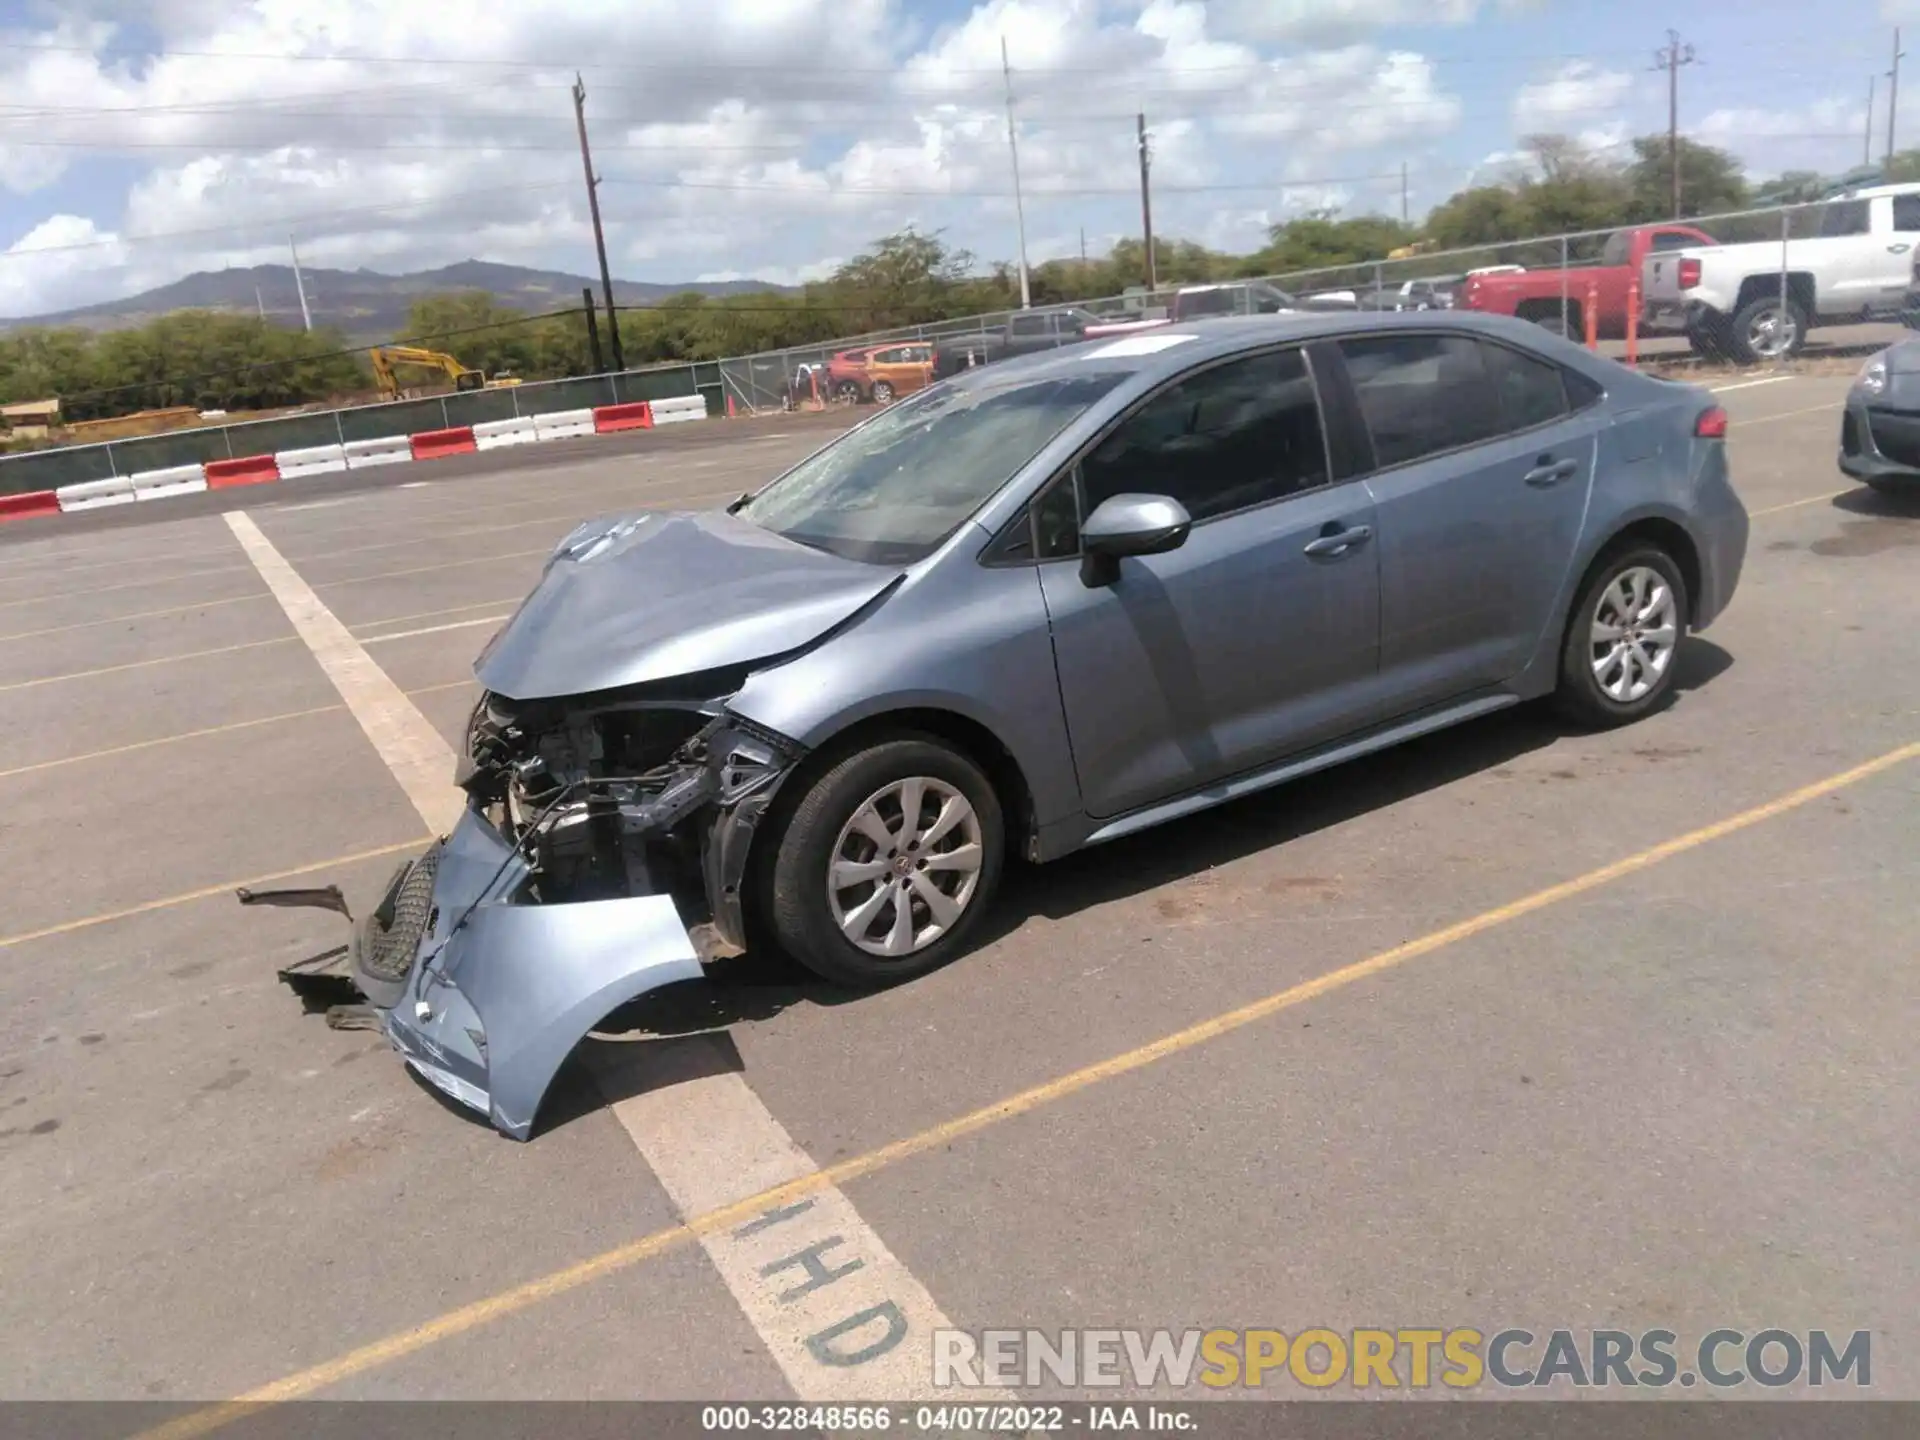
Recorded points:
(1634, 634)
(905, 867)
(1772, 333)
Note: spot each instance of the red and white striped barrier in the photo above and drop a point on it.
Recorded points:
(159, 483)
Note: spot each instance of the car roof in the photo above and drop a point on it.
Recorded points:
(1167, 350)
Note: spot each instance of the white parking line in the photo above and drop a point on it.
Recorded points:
(1749, 384)
(436, 629)
(839, 1314)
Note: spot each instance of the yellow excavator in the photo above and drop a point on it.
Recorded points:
(384, 357)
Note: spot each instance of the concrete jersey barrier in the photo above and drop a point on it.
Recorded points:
(313, 460)
(563, 424)
(493, 434)
(172, 480)
(386, 450)
(679, 408)
(93, 494)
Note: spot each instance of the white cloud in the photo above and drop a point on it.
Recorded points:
(771, 134)
(48, 257)
(1574, 97)
(1821, 135)
(1324, 21)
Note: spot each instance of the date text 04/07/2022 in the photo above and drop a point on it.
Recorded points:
(984, 1419)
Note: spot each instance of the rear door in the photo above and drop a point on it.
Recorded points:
(1482, 460)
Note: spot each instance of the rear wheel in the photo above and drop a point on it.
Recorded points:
(1763, 329)
(887, 863)
(1618, 658)
(882, 392)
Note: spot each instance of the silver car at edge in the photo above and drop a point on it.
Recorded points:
(1041, 605)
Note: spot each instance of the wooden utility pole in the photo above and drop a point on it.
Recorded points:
(1403, 193)
(1866, 145)
(1146, 201)
(593, 331)
(1893, 97)
(593, 208)
(1670, 60)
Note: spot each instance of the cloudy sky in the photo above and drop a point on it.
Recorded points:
(773, 138)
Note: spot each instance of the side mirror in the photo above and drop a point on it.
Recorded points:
(1124, 525)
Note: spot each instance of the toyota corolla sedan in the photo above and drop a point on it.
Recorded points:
(1041, 605)
(1880, 427)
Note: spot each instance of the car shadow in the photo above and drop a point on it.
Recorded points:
(1880, 504)
(763, 983)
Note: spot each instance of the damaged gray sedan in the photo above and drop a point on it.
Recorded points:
(1041, 605)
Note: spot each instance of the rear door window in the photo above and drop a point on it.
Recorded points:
(1532, 391)
(1906, 214)
(1422, 395)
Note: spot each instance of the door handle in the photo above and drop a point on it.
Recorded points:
(1340, 541)
(1900, 249)
(1551, 472)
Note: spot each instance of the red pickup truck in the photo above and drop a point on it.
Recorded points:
(1535, 294)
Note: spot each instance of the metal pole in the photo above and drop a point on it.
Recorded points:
(1146, 203)
(1785, 226)
(1013, 151)
(1893, 97)
(306, 316)
(1404, 220)
(1866, 144)
(593, 209)
(1563, 284)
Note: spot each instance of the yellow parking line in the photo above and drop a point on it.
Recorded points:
(471, 1316)
(145, 664)
(1796, 504)
(137, 745)
(129, 749)
(1740, 425)
(136, 615)
(226, 887)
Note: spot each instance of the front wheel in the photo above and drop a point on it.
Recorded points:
(887, 863)
(1617, 660)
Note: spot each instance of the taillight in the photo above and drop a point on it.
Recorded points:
(1712, 424)
(1689, 274)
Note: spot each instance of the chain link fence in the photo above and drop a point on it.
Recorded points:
(777, 379)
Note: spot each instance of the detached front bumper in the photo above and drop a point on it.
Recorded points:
(494, 994)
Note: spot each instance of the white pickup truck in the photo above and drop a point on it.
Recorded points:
(1858, 265)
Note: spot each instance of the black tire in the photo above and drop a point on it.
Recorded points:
(794, 902)
(1738, 347)
(848, 392)
(1708, 340)
(882, 392)
(1579, 696)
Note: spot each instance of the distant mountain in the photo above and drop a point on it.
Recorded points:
(364, 303)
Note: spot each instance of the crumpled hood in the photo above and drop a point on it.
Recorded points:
(669, 594)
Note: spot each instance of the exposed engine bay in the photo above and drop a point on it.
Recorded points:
(626, 794)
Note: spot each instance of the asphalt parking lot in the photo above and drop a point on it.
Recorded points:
(1670, 1094)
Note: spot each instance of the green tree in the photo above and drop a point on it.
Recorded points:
(1711, 180)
